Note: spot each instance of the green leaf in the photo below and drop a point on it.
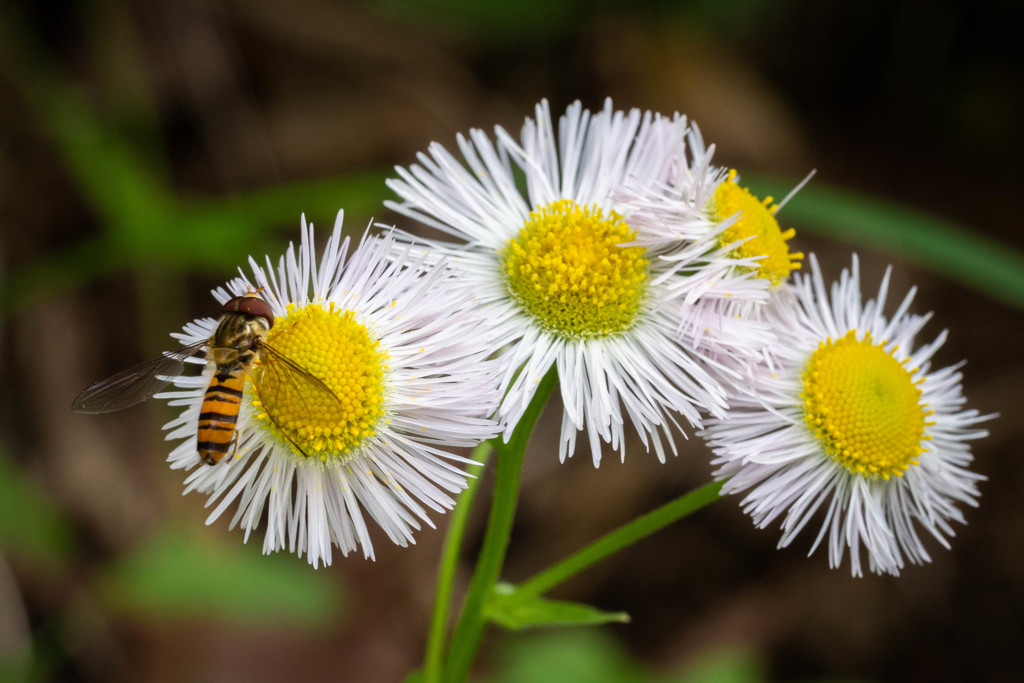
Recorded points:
(16, 665)
(595, 656)
(28, 284)
(186, 575)
(30, 523)
(361, 195)
(515, 611)
(591, 655)
(987, 265)
(730, 664)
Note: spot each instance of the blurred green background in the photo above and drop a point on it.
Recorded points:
(148, 148)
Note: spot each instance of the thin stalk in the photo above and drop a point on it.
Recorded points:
(470, 628)
(449, 565)
(624, 536)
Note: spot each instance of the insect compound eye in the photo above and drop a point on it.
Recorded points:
(251, 304)
(232, 304)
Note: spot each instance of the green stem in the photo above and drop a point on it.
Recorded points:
(449, 565)
(470, 628)
(624, 536)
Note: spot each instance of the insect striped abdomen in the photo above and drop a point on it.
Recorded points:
(218, 415)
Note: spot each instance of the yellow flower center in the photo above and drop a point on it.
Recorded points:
(757, 223)
(864, 407)
(566, 270)
(330, 397)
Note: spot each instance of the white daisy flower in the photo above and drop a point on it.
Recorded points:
(850, 419)
(564, 274)
(405, 357)
(725, 286)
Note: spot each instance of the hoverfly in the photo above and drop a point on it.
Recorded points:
(238, 350)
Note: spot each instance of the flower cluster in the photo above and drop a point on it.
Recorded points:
(608, 246)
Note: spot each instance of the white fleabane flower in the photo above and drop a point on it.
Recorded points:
(724, 246)
(406, 359)
(557, 264)
(849, 421)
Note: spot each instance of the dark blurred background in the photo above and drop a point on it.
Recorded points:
(147, 148)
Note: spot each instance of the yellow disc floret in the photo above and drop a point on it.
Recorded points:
(566, 270)
(757, 226)
(328, 397)
(864, 407)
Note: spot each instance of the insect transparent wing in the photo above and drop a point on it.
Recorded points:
(277, 371)
(134, 385)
